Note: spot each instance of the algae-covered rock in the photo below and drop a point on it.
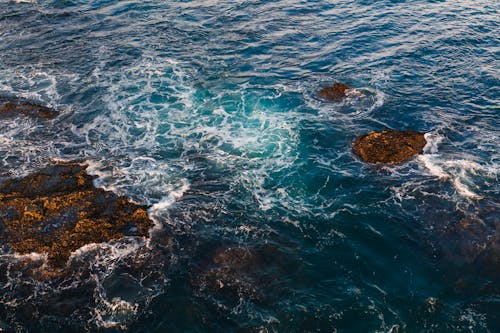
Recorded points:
(335, 92)
(13, 107)
(389, 146)
(58, 210)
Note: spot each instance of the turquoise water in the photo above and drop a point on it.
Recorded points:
(207, 112)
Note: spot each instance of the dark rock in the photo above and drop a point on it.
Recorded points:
(474, 244)
(12, 107)
(389, 146)
(233, 273)
(230, 273)
(335, 92)
(58, 210)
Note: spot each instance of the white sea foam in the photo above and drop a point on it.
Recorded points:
(25, 142)
(159, 209)
(104, 258)
(433, 141)
(114, 313)
(460, 172)
(33, 256)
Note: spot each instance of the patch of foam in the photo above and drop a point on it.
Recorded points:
(115, 313)
(33, 256)
(433, 141)
(122, 141)
(460, 172)
(27, 143)
(364, 100)
(104, 259)
(109, 252)
(36, 84)
(168, 200)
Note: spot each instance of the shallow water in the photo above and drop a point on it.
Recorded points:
(207, 111)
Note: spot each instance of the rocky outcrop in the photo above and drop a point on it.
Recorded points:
(334, 93)
(58, 210)
(389, 146)
(12, 107)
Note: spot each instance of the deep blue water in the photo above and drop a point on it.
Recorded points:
(207, 111)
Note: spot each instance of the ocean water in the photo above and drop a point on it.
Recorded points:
(206, 111)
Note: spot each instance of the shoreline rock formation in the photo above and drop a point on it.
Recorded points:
(12, 106)
(389, 146)
(58, 210)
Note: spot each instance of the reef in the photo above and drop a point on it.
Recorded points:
(334, 93)
(12, 107)
(389, 146)
(58, 210)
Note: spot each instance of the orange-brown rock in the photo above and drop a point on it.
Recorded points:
(335, 92)
(58, 210)
(12, 107)
(389, 146)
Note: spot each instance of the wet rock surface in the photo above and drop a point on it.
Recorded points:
(58, 210)
(389, 146)
(10, 107)
(334, 93)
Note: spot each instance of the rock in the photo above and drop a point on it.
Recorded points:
(12, 107)
(58, 210)
(237, 272)
(389, 146)
(473, 245)
(230, 273)
(334, 93)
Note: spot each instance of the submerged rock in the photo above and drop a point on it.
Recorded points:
(233, 273)
(12, 107)
(335, 92)
(473, 244)
(389, 146)
(58, 210)
(230, 273)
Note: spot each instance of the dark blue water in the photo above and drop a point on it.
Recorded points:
(266, 222)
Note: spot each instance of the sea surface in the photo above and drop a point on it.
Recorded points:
(265, 221)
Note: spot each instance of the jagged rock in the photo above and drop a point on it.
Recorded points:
(58, 210)
(335, 92)
(389, 146)
(12, 107)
